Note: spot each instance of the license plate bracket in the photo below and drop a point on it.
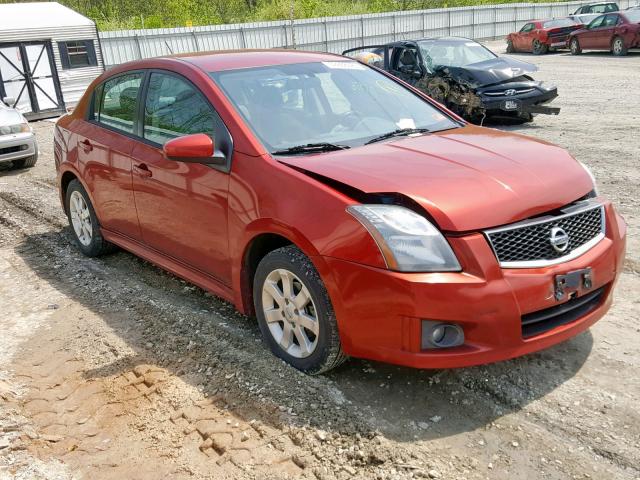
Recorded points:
(511, 105)
(571, 282)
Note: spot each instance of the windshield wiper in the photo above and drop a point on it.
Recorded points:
(310, 148)
(398, 133)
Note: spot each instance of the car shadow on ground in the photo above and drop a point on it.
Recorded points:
(180, 328)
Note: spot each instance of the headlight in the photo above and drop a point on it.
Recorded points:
(17, 128)
(590, 173)
(408, 241)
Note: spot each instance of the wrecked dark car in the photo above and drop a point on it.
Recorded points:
(465, 76)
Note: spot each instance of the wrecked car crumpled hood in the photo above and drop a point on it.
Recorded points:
(467, 178)
(492, 71)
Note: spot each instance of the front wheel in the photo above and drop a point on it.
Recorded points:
(618, 48)
(539, 48)
(294, 312)
(25, 162)
(574, 46)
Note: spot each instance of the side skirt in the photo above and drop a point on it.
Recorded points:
(197, 277)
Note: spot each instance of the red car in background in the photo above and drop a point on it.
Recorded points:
(616, 32)
(540, 36)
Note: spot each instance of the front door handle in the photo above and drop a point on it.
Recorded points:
(142, 170)
(87, 146)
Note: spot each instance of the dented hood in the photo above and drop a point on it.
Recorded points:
(467, 179)
(492, 71)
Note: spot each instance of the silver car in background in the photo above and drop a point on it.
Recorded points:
(18, 144)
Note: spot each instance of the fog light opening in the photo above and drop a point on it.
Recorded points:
(441, 335)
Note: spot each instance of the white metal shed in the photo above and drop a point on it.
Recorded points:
(48, 56)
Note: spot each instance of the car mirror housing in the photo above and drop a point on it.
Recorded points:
(196, 148)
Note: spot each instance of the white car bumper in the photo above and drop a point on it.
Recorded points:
(16, 146)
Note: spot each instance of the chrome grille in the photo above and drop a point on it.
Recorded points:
(518, 91)
(528, 244)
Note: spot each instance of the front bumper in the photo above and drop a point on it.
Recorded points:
(531, 102)
(17, 146)
(380, 312)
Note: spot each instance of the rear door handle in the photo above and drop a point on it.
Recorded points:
(87, 146)
(142, 170)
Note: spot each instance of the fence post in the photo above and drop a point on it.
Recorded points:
(137, 42)
(473, 22)
(424, 24)
(495, 22)
(395, 37)
(195, 40)
(243, 40)
(286, 36)
(326, 35)
(362, 30)
(449, 22)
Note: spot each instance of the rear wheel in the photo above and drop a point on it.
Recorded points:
(294, 312)
(618, 48)
(84, 223)
(539, 48)
(25, 162)
(574, 46)
(510, 48)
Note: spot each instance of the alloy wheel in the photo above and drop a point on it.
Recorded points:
(617, 46)
(80, 218)
(290, 313)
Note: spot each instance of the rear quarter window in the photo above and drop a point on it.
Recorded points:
(117, 102)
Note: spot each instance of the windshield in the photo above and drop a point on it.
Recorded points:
(559, 23)
(341, 102)
(453, 53)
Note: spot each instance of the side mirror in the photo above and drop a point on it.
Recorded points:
(196, 148)
(9, 101)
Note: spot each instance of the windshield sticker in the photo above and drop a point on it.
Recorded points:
(406, 123)
(344, 65)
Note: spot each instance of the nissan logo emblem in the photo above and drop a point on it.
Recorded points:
(510, 92)
(559, 239)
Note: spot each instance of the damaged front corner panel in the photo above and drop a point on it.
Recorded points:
(456, 95)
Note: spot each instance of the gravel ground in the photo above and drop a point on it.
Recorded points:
(112, 368)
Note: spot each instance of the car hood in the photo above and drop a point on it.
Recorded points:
(467, 179)
(9, 116)
(489, 72)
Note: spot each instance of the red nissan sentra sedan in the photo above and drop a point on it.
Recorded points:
(351, 214)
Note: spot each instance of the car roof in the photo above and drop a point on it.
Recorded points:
(236, 59)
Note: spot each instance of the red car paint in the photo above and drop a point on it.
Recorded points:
(538, 30)
(624, 25)
(200, 223)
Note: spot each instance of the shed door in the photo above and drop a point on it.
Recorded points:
(28, 75)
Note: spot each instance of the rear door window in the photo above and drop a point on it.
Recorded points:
(118, 100)
(173, 108)
(610, 21)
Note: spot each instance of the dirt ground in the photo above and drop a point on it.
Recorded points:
(112, 369)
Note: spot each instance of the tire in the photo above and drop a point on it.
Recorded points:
(618, 48)
(311, 352)
(574, 46)
(89, 239)
(539, 48)
(25, 162)
(510, 48)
